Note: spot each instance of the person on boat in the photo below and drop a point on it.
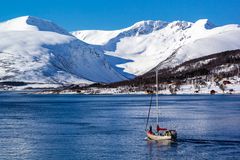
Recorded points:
(150, 130)
(158, 128)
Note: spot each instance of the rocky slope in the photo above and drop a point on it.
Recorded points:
(207, 68)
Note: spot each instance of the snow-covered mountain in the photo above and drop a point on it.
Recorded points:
(30, 23)
(37, 50)
(138, 49)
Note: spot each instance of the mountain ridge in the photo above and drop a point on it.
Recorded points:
(146, 48)
(31, 23)
(37, 50)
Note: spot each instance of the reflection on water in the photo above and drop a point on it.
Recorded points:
(112, 127)
(161, 145)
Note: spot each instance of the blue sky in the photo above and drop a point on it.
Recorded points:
(116, 14)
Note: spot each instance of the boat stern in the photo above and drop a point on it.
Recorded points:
(173, 134)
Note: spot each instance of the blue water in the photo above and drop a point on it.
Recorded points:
(112, 127)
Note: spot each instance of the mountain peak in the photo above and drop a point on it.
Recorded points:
(180, 24)
(148, 23)
(204, 23)
(155, 25)
(145, 27)
(31, 23)
(26, 18)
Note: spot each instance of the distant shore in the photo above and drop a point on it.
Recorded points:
(224, 86)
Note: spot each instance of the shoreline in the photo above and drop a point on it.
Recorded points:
(225, 87)
(125, 93)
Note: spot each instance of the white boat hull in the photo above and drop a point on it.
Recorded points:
(158, 137)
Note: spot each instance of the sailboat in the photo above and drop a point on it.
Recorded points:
(160, 133)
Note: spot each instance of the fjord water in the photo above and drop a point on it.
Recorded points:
(112, 127)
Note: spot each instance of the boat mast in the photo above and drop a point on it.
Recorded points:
(157, 97)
